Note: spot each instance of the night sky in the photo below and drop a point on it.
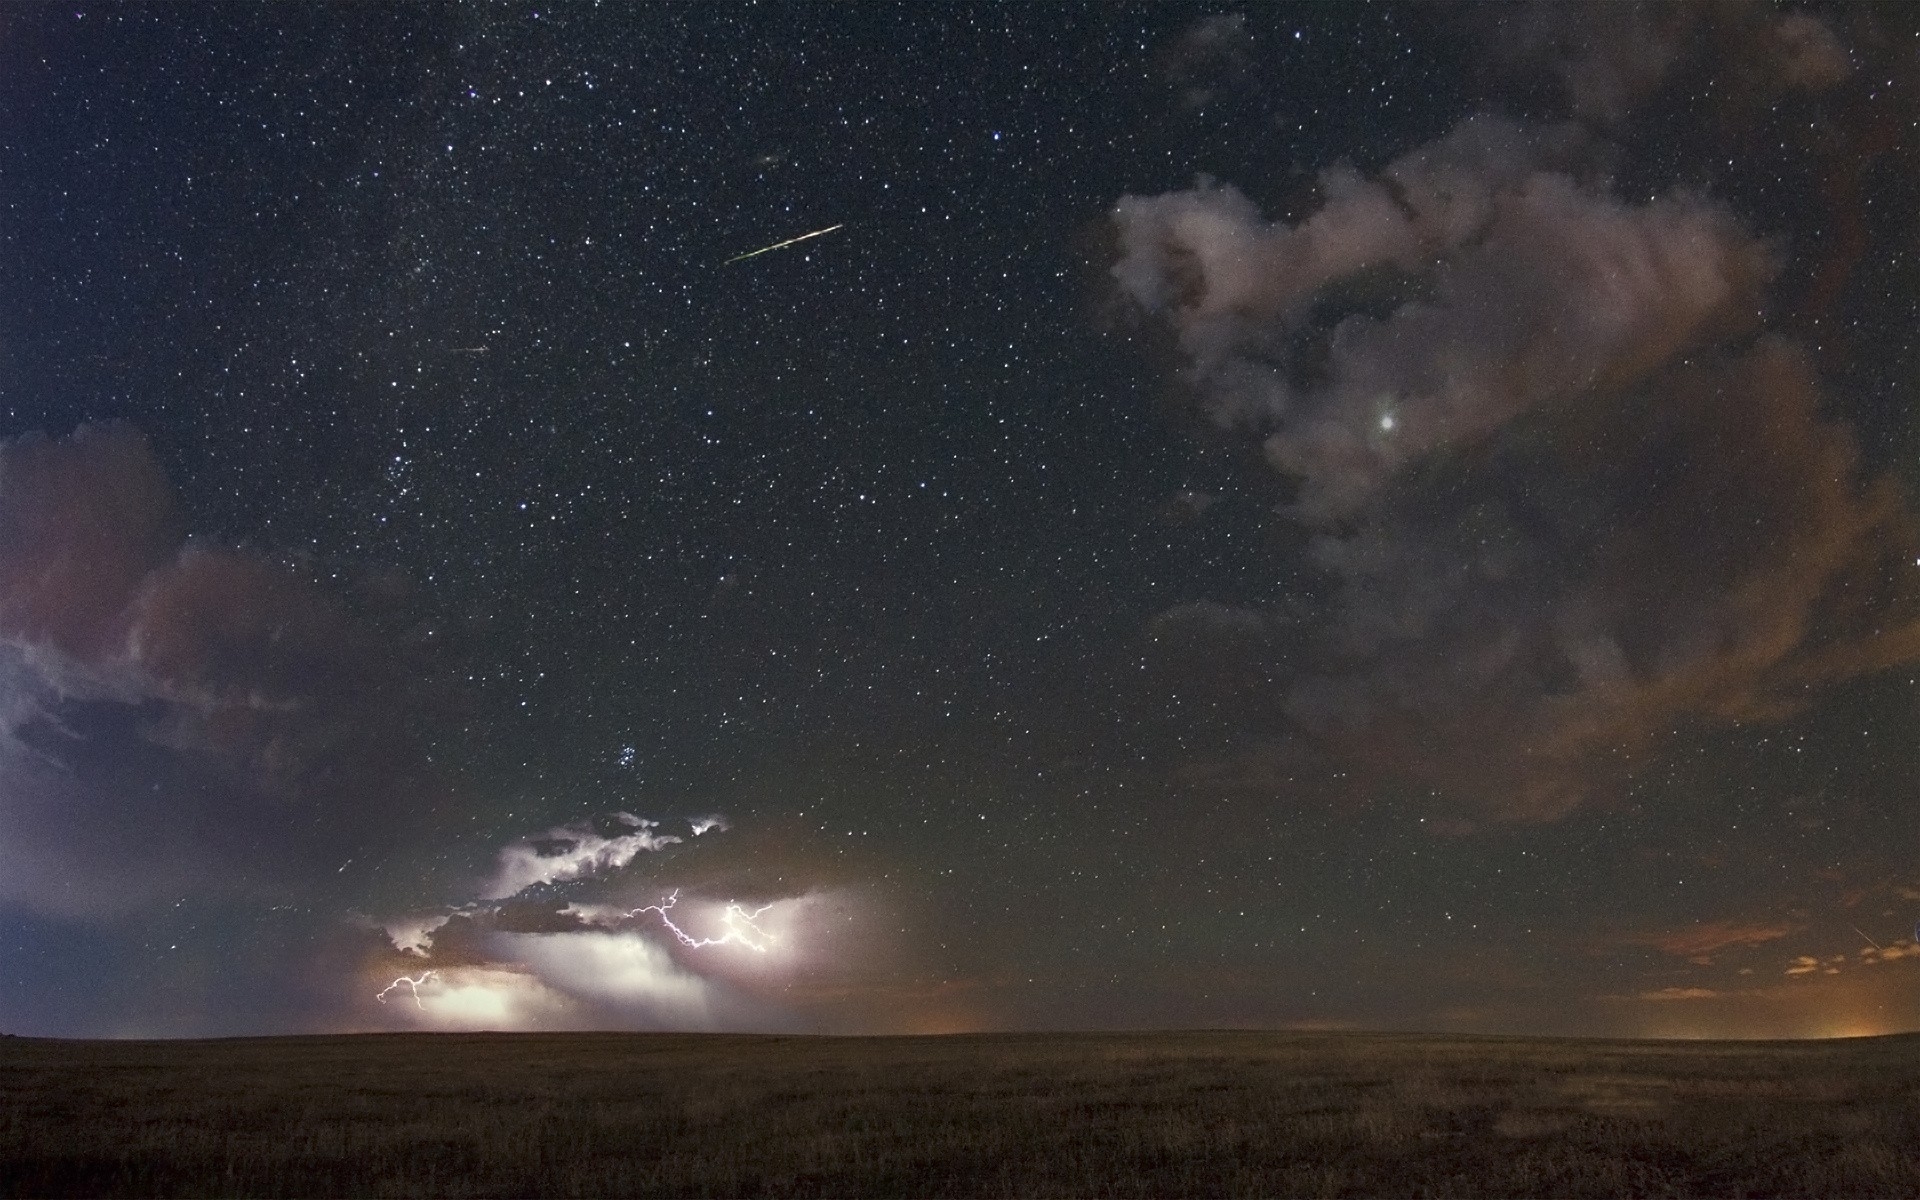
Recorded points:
(1306, 516)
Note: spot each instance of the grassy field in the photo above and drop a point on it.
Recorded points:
(1014, 1115)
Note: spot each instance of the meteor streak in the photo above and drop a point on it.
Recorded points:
(1863, 933)
(412, 983)
(782, 245)
(741, 931)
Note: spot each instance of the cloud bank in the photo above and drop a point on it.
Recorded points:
(177, 718)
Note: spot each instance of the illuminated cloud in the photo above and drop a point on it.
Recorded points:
(414, 934)
(572, 852)
(570, 935)
(625, 972)
(768, 929)
(480, 998)
(603, 916)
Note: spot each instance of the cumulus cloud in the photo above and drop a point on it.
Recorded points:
(1561, 493)
(1524, 287)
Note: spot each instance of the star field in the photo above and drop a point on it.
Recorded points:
(1054, 648)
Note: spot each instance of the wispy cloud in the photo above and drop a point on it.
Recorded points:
(1682, 993)
(1698, 942)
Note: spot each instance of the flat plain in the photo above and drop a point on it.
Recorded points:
(1154, 1114)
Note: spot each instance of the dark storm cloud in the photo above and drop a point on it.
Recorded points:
(82, 523)
(179, 717)
(1562, 494)
(575, 931)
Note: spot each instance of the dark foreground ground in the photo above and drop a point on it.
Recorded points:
(1026, 1115)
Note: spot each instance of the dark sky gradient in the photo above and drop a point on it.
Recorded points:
(1313, 516)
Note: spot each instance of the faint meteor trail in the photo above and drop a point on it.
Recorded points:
(1863, 933)
(782, 245)
(741, 931)
(412, 983)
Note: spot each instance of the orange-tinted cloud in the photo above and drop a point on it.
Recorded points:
(1681, 993)
(1708, 937)
(1558, 498)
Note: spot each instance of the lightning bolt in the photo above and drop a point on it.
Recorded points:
(782, 245)
(412, 983)
(741, 930)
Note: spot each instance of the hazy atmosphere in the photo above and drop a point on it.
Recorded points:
(924, 518)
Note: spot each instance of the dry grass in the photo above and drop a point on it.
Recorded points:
(1023, 1115)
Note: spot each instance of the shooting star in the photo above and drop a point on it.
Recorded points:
(782, 245)
(1863, 933)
